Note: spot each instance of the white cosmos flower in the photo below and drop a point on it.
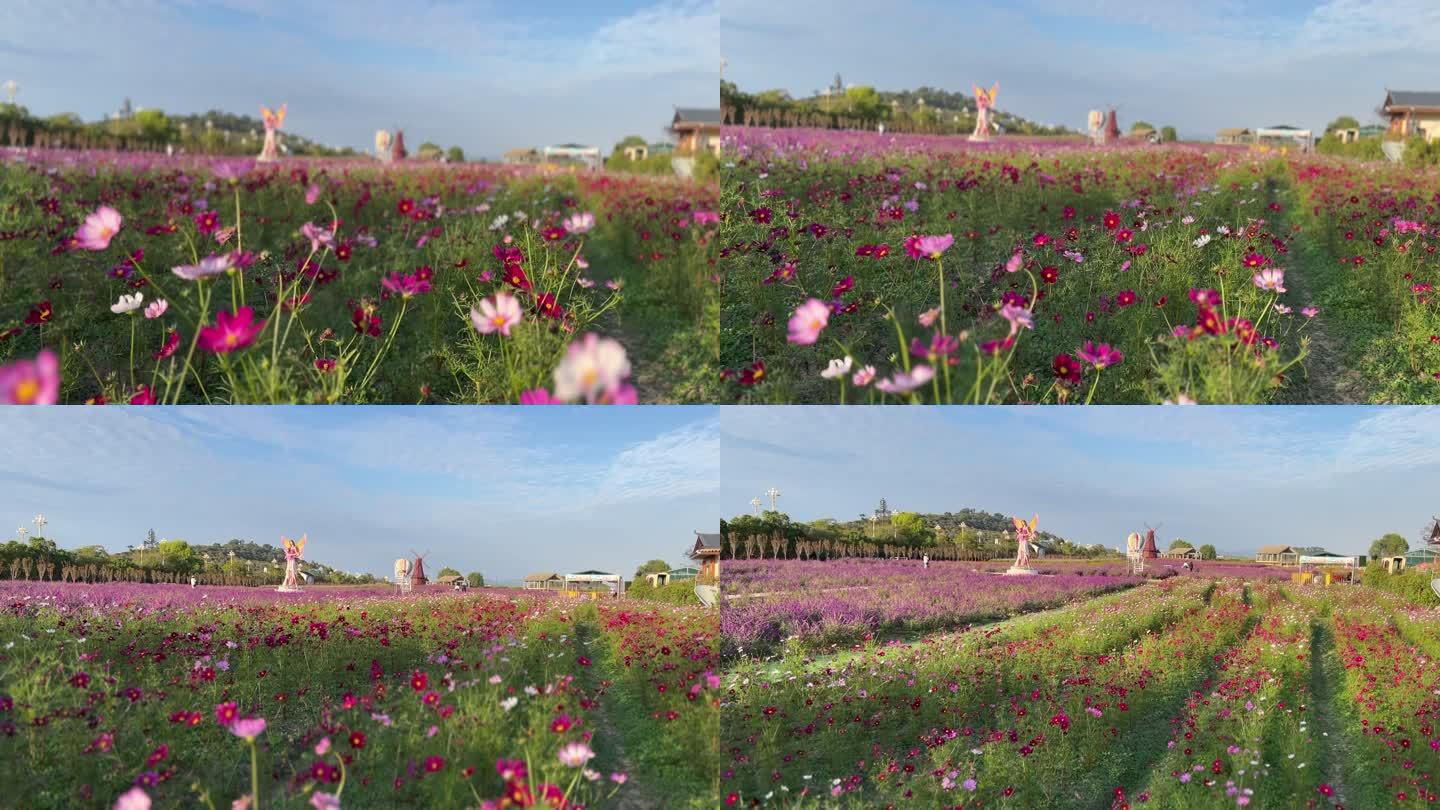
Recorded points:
(127, 304)
(1203, 240)
(509, 703)
(838, 368)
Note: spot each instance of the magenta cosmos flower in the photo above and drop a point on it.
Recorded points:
(1102, 356)
(31, 382)
(231, 332)
(99, 228)
(808, 321)
(497, 314)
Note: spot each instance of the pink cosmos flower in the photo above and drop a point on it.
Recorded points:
(902, 382)
(497, 314)
(133, 799)
(1102, 356)
(324, 801)
(231, 332)
(702, 217)
(211, 265)
(932, 247)
(1013, 265)
(538, 396)
(156, 308)
(312, 194)
(808, 321)
(580, 223)
(98, 229)
(1310, 312)
(575, 754)
(319, 237)
(31, 382)
(863, 377)
(248, 728)
(929, 317)
(323, 747)
(1271, 278)
(593, 367)
(1019, 317)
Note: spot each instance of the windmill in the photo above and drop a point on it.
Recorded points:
(21, 532)
(417, 571)
(774, 495)
(39, 521)
(755, 505)
(1149, 551)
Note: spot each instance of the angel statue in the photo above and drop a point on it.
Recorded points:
(273, 122)
(382, 145)
(293, 551)
(984, 100)
(1095, 121)
(1024, 538)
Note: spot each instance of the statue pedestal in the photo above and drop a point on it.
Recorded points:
(1015, 571)
(288, 589)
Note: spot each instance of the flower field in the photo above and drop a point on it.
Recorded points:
(136, 278)
(864, 268)
(124, 695)
(1184, 692)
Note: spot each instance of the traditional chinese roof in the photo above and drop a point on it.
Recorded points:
(1412, 98)
(697, 115)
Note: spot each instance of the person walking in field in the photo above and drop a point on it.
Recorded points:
(925, 561)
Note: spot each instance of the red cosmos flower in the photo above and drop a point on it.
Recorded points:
(1123, 235)
(344, 251)
(1125, 298)
(1206, 298)
(1049, 274)
(231, 332)
(881, 251)
(357, 739)
(434, 764)
(172, 342)
(419, 681)
(753, 374)
(1066, 368)
(561, 724)
(553, 234)
(1111, 220)
(431, 698)
(1255, 260)
(207, 221)
(227, 713)
(324, 364)
(40, 313)
(547, 305)
(144, 396)
(80, 680)
(843, 286)
(583, 661)
(762, 216)
(405, 206)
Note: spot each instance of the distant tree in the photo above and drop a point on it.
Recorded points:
(1390, 545)
(1343, 122)
(455, 154)
(234, 567)
(447, 571)
(1207, 552)
(652, 567)
(154, 125)
(1174, 544)
(1169, 134)
(865, 102)
(774, 97)
(476, 579)
(177, 556)
(429, 151)
(1141, 125)
(910, 529)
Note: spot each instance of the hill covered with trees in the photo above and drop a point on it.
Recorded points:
(927, 110)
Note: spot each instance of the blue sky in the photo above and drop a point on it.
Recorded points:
(1198, 66)
(503, 491)
(486, 75)
(1237, 478)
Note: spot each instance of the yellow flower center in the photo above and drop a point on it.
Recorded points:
(231, 340)
(27, 392)
(498, 320)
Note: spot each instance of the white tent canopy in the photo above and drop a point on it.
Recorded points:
(1326, 559)
(589, 155)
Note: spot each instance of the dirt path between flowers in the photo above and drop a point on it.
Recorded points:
(634, 794)
(1325, 685)
(1326, 378)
